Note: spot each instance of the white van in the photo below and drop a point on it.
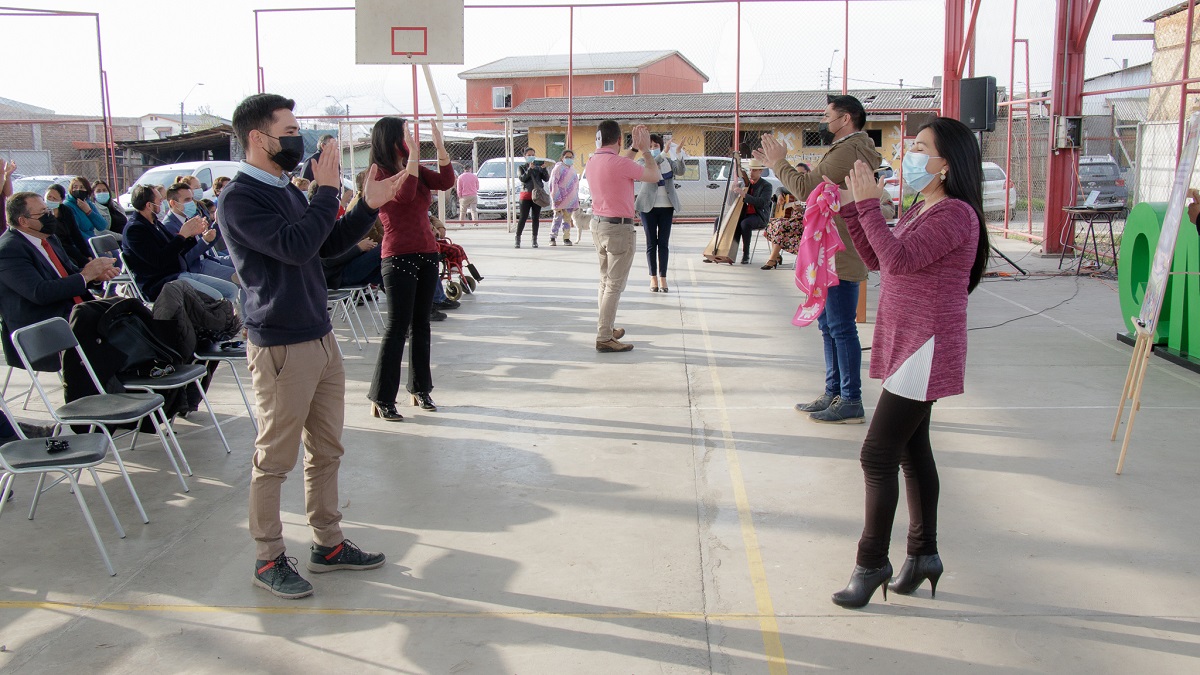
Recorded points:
(206, 172)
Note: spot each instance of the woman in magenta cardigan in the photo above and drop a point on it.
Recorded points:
(928, 264)
(410, 263)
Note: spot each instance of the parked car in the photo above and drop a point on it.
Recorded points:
(1101, 173)
(451, 194)
(39, 184)
(206, 172)
(701, 187)
(493, 198)
(995, 185)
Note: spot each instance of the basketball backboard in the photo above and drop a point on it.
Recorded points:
(408, 31)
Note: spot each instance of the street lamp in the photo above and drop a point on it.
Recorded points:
(182, 121)
(453, 103)
(829, 71)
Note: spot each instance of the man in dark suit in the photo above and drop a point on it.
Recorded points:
(37, 279)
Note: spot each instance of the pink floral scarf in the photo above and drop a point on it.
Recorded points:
(815, 271)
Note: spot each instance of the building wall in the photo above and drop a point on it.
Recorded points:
(58, 139)
(1167, 64)
(670, 76)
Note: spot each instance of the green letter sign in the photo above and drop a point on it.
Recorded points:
(1179, 323)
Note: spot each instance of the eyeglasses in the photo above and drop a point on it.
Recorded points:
(36, 216)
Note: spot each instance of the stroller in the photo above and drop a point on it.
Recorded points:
(455, 262)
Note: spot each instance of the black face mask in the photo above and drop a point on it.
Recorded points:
(47, 221)
(825, 134)
(291, 151)
(80, 194)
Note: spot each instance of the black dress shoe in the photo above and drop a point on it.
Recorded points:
(422, 399)
(863, 583)
(435, 315)
(916, 569)
(385, 411)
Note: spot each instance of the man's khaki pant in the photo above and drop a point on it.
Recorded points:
(300, 393)
(467, 209)
(615, 244)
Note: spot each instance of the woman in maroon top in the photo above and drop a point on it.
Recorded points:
(409, 262)
(928, 264)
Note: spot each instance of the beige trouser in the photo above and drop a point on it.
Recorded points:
(300, 392)
(468, 205)
(615, 244)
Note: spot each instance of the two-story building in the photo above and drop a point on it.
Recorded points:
(498, 87)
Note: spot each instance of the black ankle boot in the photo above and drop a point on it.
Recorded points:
(863, 583)
(916, 569)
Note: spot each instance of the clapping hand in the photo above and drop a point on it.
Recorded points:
(197, 225)
(99, 269)
(7, 169)
(376, 193)
(772, 150)
(641, 138)
(862, 183)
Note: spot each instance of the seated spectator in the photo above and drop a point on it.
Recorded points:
(60, 222)
(109, 207)
(201, 259)
(155, 255)
(327, 142)
(87, 214)
(37, 279)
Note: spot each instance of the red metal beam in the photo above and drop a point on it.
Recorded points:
(968, 46)
(1067, 87)
(1086, 28)
(951, 50)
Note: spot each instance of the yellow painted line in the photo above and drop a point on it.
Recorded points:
(768, 623)
(300, 609)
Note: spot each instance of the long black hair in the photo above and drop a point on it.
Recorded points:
(964, 179)
(388, 149)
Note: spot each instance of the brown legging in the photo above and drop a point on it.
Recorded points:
(898, 438)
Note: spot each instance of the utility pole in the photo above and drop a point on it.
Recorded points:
(829, 72)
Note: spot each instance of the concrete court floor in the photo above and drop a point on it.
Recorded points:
(661, 511)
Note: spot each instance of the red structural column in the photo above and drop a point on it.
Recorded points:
(955, 39)
(1071, 27)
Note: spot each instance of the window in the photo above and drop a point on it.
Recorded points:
(812, 139)
(876, 136)
(205, 178)
(554, 91)
(691, 170)
(718, 169)
(991, 173)
(555, 144)
(610, 86)
(501, 98)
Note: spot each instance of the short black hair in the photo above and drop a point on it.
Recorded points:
(610, 132)
(850, 106)
(142, 195)
(529, 150)
(175, 189)
(58, 189)
(18, 206)
(657, 138)
(256, 112)
(803, 164)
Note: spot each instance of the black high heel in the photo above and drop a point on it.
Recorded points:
(771, 264)
(422, 399)
(863, 583)
(386, 411)
(916, 569)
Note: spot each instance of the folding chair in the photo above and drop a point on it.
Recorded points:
(182, 376)
(108, 245)
(214, 353)
(50, 338)
(341, 300)
(28, 456)
(137, 289)
(364, 295)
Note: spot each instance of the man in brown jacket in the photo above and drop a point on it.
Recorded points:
(842, 127)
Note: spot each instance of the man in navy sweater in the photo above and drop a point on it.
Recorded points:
(276, 239)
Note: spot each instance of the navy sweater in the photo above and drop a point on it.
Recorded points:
(276, 240)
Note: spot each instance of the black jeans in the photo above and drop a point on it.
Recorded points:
(408, 281)
(898, 438)
(745, 231)
(657, 224)
(527, 206)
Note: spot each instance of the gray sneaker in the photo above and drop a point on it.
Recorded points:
(816, 406)
(840, 412)
(279, 576)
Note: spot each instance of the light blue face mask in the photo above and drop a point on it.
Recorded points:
(102, 197)
(50, 204)
(914, 170)
(189, 209)
(568, 161)
(655, 153)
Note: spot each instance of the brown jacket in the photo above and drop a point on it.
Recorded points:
(836, 164)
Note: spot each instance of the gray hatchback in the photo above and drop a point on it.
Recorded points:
(1101, 173)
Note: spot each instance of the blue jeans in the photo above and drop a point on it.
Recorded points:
(657, 224)
(843, 352)
(213, 268)
(364, 269)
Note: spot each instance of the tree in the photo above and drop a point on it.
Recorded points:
(336, 110)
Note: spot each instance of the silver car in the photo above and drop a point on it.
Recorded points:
(701, 187)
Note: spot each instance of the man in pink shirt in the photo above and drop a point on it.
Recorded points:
(612, 177)
(468, 190)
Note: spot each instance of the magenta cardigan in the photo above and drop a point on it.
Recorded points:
(925, 266)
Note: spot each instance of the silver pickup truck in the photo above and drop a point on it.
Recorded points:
(701, 188)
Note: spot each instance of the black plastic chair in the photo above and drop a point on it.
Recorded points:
(52, 337)
(108, 245)
(30, 456)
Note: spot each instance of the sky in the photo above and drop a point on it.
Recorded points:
(155, 57)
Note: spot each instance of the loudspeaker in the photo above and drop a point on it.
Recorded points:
(977, 103)
(914, 121)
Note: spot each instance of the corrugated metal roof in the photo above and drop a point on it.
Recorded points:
(584, 64)
(714, 104)
(1169, 11)
(26, 108)
(1131, 109)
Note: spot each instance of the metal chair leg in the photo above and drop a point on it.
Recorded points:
(107, 504)
(37, 494)
(5, 482)
(87, 515)
(166, 436)
(112, 445)
(213, 415)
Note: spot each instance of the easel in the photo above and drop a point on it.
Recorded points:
(1156, 287)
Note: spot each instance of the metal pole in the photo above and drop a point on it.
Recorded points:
(737, 85)
(1183, 90)
(258, 69)
(1028, 146)
(846, 51)
(105, 110)
(571, 79)
(1012, 83)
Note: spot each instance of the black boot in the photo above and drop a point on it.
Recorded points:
(916, 569)
(863, 583)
